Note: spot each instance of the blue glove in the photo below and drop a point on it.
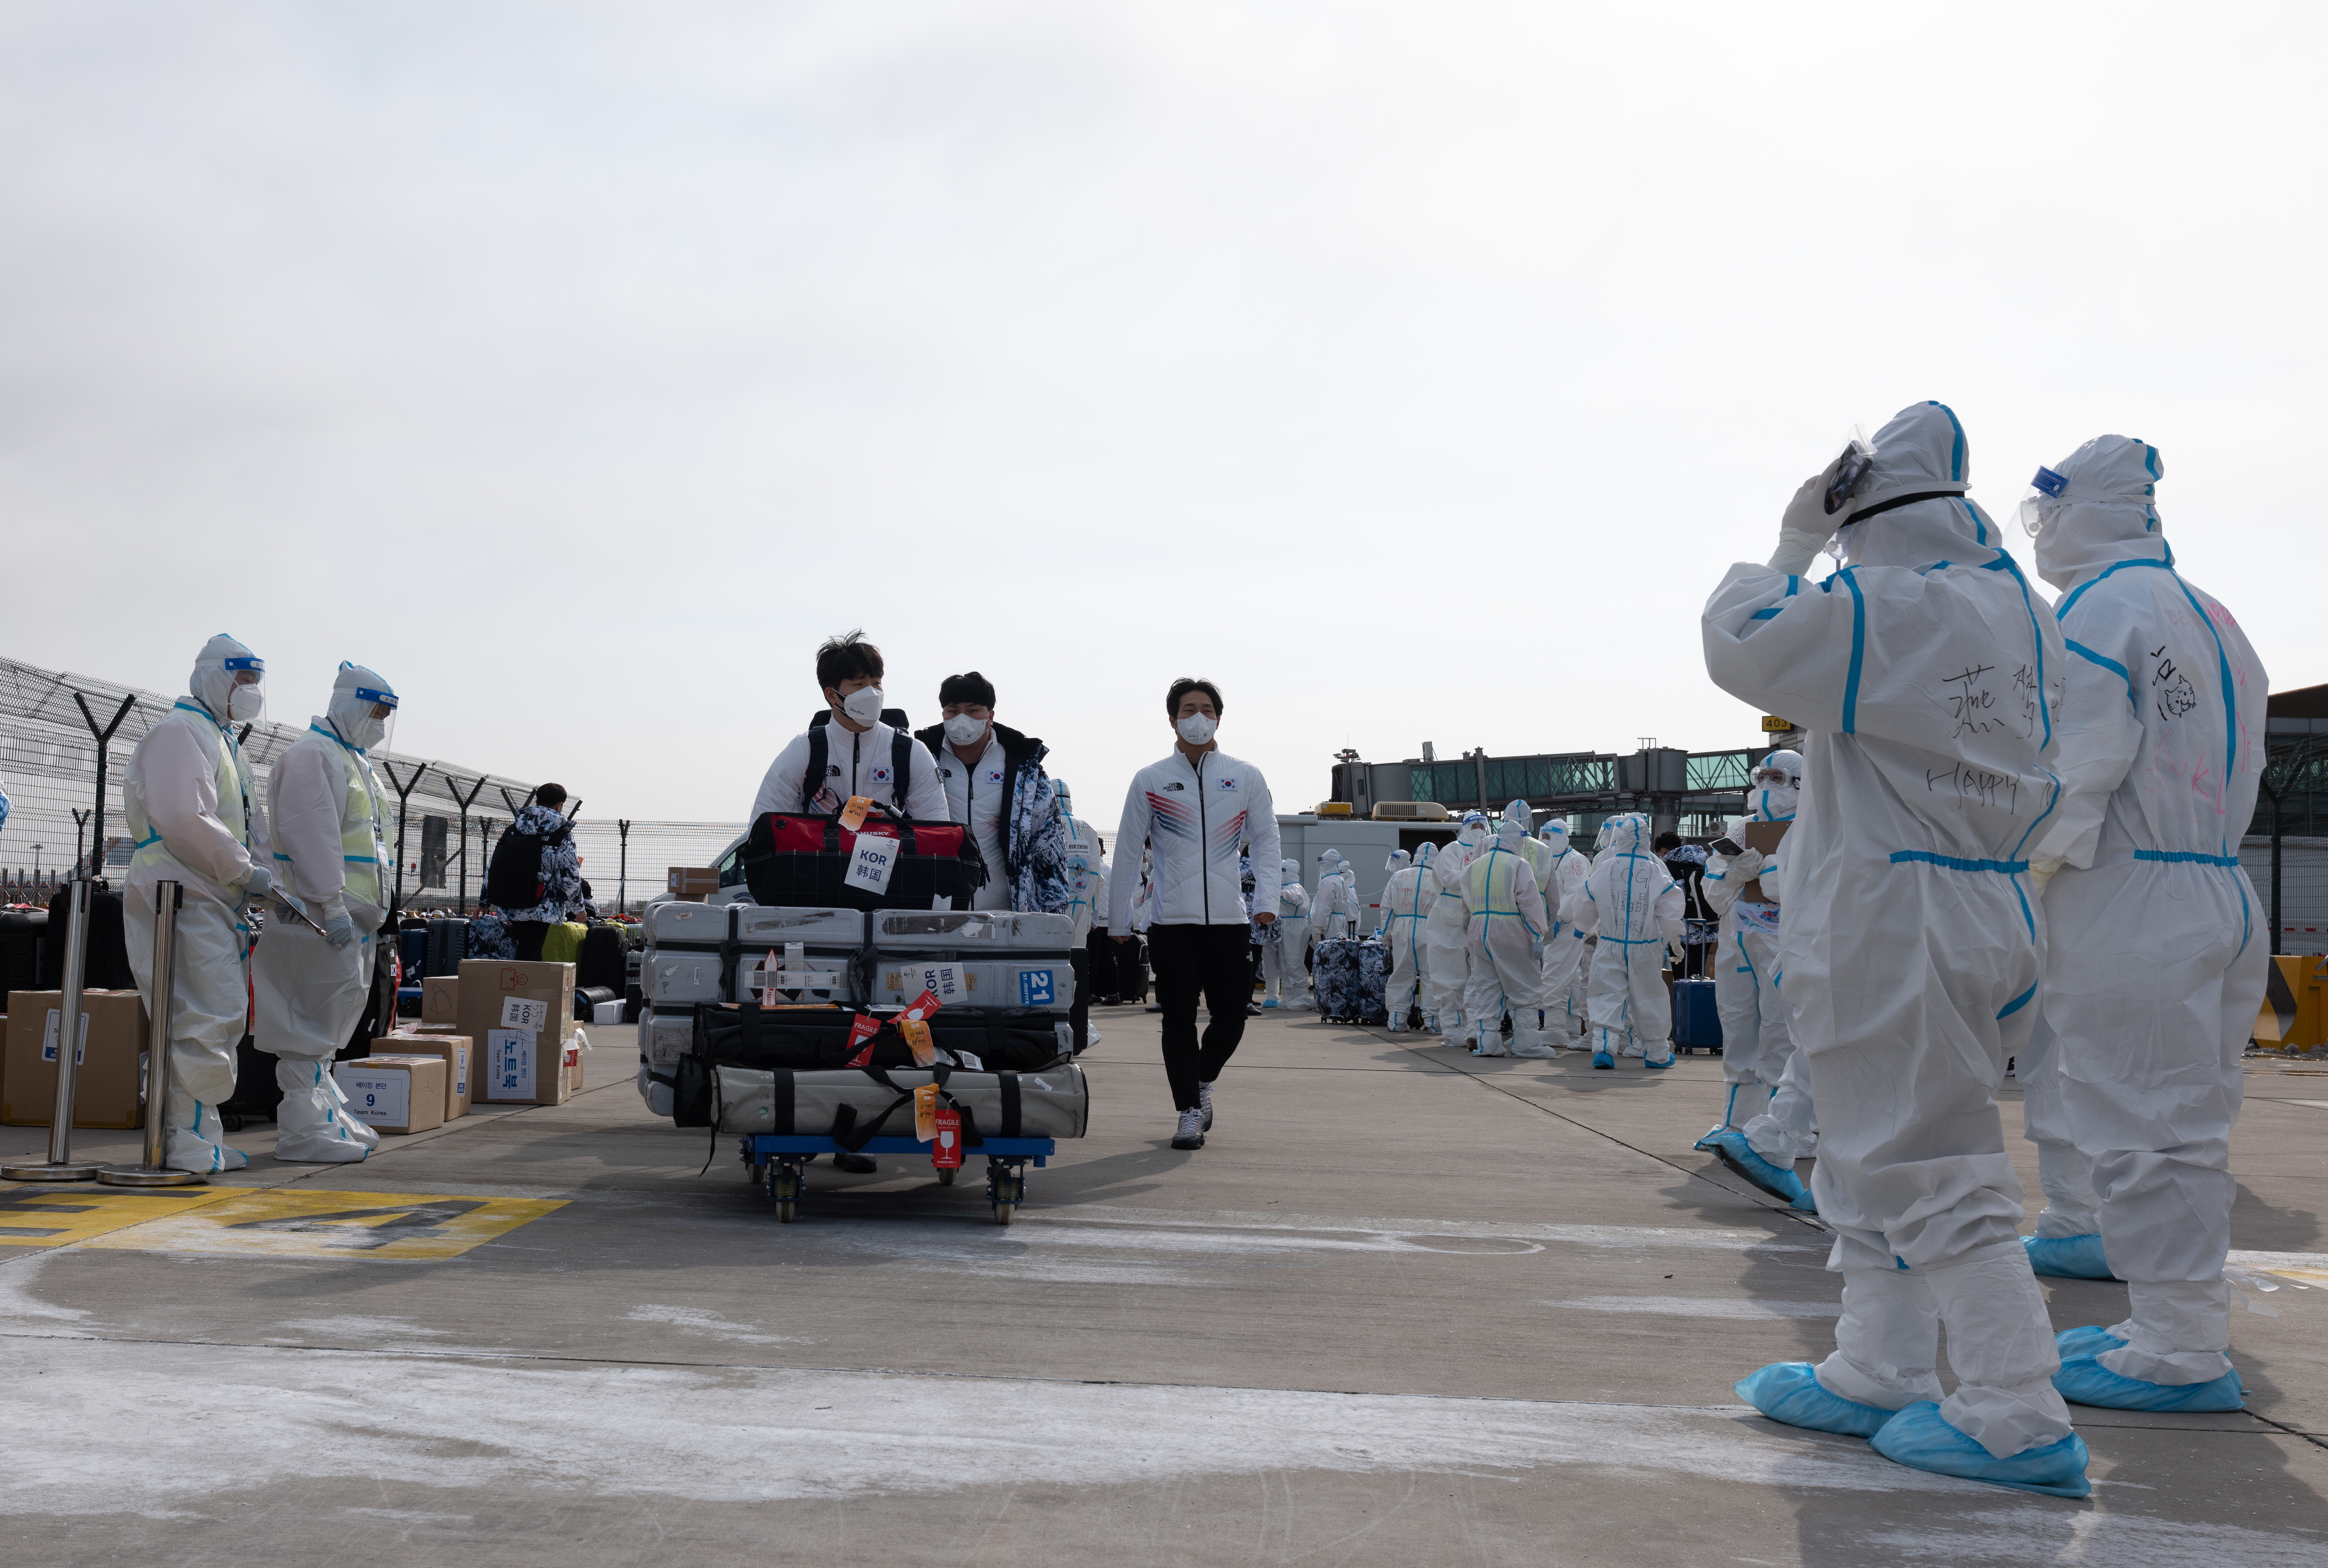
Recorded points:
(261, 879)
(340, 932)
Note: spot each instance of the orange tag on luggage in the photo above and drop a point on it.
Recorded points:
(852, 816)
(917, 1040)
(925, 1112)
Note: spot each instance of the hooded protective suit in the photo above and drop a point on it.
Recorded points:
(1407, 903)
(1926, 674)
(1447, 931)
(1504, 908)
(189, 797)
(1635, 906)
(1337, 899)
(2154, 966)
(323, 810)
(1285, 980)
(1755, 1041)
(1565, 947)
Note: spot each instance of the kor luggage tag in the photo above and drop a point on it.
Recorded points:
(871, 863)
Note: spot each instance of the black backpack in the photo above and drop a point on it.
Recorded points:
(513, 877)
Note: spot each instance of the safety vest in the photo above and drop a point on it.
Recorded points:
(230, 784)
(361, 843)
(1487, 887)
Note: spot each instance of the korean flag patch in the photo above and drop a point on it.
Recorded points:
(880, 775)
(1229, 782)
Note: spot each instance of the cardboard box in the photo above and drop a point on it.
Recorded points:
(694, 883)
(460, 1063)
(519, 1018)
(109, 1074)
(440, 999)
(394, 1093)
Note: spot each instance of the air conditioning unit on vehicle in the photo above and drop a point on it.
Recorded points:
(1335, 809)
(1410, 811)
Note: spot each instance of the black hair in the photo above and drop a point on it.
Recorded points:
(971, 687)
(846, 658)
(1183, 687)
(1668, 839)
(550, 794)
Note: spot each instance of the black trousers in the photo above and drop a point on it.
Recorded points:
(526, 937)
(1211, 960)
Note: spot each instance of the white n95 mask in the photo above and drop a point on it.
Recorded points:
(1196, 729)
(247, 703)
(961, 729)
(862, 705)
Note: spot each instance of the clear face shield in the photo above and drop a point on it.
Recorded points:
(1771, 779)
(379, 721)
(246, 700)
(2037, 506)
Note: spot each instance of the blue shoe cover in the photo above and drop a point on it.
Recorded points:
(2067, 1257)
(1707, 1142)
(1731, 1147)
(2084, 1380)
(1805, 1204)
(1922, 1439)
(1787, 1391)
(2090, 1340)
(1271, 1002)
(1602, 1058)
(1656, 1066)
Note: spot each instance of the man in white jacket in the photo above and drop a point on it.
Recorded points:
(854, 753)
(323, 814)
(1193, 810)
(188, 797)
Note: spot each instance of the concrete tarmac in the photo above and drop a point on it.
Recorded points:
(1406, 1307)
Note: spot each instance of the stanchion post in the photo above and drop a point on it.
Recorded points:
(169, 898)
(59, 1166)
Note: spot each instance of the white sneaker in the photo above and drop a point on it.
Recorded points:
(1205, 1104)
(1191, 1135)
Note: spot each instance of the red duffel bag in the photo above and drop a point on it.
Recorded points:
(800, 860)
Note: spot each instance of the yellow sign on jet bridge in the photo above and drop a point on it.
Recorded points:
(299, 1222)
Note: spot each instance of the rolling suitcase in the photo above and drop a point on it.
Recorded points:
(105, 963)
(1697, 1023)
(20, 934)
(412, 946)
(1373, 982)
(1334, 979)
(449, 943)
(602, 959)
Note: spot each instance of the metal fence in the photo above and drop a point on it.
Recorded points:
(49, 764)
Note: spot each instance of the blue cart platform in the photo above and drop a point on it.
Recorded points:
(775, 1161)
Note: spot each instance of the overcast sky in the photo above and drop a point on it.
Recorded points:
(1413, 371)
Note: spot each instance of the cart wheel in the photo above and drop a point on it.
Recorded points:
(1002, 1212)
(784, 1214)
(231, 1121)
(945, 1175)
(784, 1190)
(758, 1175)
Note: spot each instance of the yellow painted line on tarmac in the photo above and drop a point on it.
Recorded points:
(299, 1222)
(55, 1213)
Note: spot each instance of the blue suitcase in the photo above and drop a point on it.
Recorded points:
(1697, 1023)
(1334, 979)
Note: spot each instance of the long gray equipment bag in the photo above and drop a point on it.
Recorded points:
(855, 1106)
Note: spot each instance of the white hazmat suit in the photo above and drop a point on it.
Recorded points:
(1336, 905)
(1632, 902)
(188, 794)
(1504, 908)
(2154, 964)
(1926, 673)
(1565, 947)
(323, 819)
(1407, 902)
(1285, 981)
(1756, 1043)
(1447, 931)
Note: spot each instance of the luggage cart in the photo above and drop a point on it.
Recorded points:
(776, 1164)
